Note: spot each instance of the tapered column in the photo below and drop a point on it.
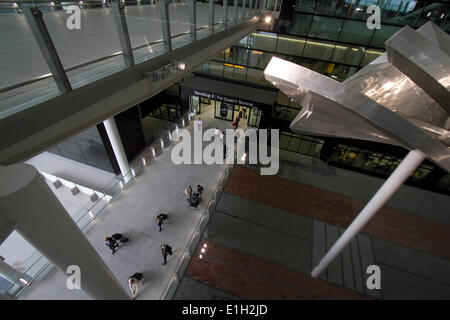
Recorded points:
(235, 11)
(225, 12)
(400, 174)
(40, 219)
(192, 20)
(250, 8)
(122, 31)
(244, 5)
(37, 25)
(211, 16)
(165, 24)
(116, 144)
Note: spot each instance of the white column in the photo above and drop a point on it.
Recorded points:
(401, 173)
(119, 152)
(37, 215)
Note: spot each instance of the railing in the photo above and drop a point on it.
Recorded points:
(36, 266)
(51, 37)
(180, 268)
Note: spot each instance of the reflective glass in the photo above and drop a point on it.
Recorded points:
(355, 32)
(318, 50)
(325, 28)
(381, 35)
(261, 41)
(305, 5)
(254, 75)
(370, 56)
(290, 46)
(348, 55)
(300, 24)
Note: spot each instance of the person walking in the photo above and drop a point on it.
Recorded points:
(159, 222)
(199, 124)
(165, 250)
(111, 243)
(135, 283)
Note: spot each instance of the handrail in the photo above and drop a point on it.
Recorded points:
(197, 232)
(87, 63)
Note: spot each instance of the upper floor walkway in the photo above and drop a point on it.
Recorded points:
(55, 64)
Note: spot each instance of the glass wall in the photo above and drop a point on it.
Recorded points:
(378, 163)
(392, 13)
(167, 112)
(305, 145)
(246, 60)
(86, 147)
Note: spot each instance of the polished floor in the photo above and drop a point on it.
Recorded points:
(268, 232)
(159, 189)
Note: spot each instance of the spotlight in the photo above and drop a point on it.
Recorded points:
(25, 282)
(203, 250)
(268, 19)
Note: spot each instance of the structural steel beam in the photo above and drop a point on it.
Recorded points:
(37, 128)
(38, 28)
(122, 31)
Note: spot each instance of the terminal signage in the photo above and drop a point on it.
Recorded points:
(227, 99)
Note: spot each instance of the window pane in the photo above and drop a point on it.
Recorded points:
(213, 68)
(316, 148)
(234, 72)
(263, 41)
(305, 5)
(304, 147)
(300, 24)
(254, 75)
(290, 46)
(370, 56)
(381, 35)
(293, 144)
(317, 66)
(325, 28)
(348, 55)
(355, 32)
(318, 50)
(284, 141)
(325, 7)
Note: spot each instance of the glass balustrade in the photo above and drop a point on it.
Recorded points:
(62, 46)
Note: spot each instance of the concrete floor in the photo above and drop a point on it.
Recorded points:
(160, 188)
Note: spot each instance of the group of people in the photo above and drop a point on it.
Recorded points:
(194, 198)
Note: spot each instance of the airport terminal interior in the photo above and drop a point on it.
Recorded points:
(348, 98)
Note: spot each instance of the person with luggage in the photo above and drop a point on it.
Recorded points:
(135, 283)
(119, 238)
(165, 250)
(111, 243)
